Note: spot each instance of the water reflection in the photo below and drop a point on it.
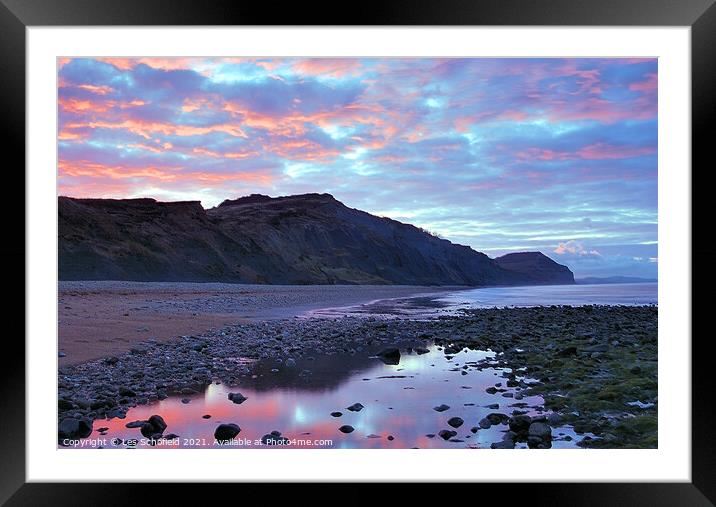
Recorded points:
(297, 400)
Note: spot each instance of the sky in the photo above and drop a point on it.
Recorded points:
(503, 155)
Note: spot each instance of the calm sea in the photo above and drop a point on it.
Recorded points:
(545, 295)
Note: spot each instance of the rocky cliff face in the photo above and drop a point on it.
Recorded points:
(536, 268)
(304, 239)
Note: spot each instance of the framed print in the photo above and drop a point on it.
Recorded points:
(418, 245)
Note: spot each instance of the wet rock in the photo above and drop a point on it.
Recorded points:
(185, 401)
(158, 422)
(134, 424)
(206, 416)
(356, 407)
(505, 444)
(537, 443)
(237, 398)
(455, 422)
(71, 427)
(493, 406)
(497, 418)
(447, 434)
(225, 432)
(336, 414)
(346, 428)
(171, 436)
(61, 354)
(520, 423)
(474, 429)
(540, 430)
(421, 350)
(391, 437)
(389, 355)
(274, 438)
(441, 408)
(484, 423)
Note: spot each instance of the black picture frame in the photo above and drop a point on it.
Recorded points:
(17, 15)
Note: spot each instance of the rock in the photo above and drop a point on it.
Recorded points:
(125, 391)
(63, 404)
(493, 406)
(290, 362)
(147, 430)
(158, 422)
(484, 423)
(455, 422)
(389, 355)
(134, 424)
(206, 416)
(441, 408)
(540, 430)
(421, 350)
(61, 354)
(447, 434)
(391, 437)
(520, 423)
(497, 418)
(372, 435)
(356, 407)
(567, 351)
(274, 438)
(346, 428)
(596, 348)
(554, 419)
(225, 432)
(171, 436)
(237, 398)
(505, 444)
(474, 429)
(510, 436)
(534, 442)
(336, 414)
(185, 401)
(71, 427)
(111, 360)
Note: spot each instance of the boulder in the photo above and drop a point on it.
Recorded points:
(447, 434)
(72, 427)
(520, 423)
(226, 432)
(237, 398)
(455, 422)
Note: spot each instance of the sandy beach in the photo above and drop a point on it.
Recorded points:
(100, 319)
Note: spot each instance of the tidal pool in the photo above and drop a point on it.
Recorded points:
(298, 399)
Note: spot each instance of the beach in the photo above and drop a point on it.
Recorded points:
(97, 319)
(558, 375)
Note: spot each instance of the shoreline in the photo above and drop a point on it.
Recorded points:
(595, 366)
(98, 319)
